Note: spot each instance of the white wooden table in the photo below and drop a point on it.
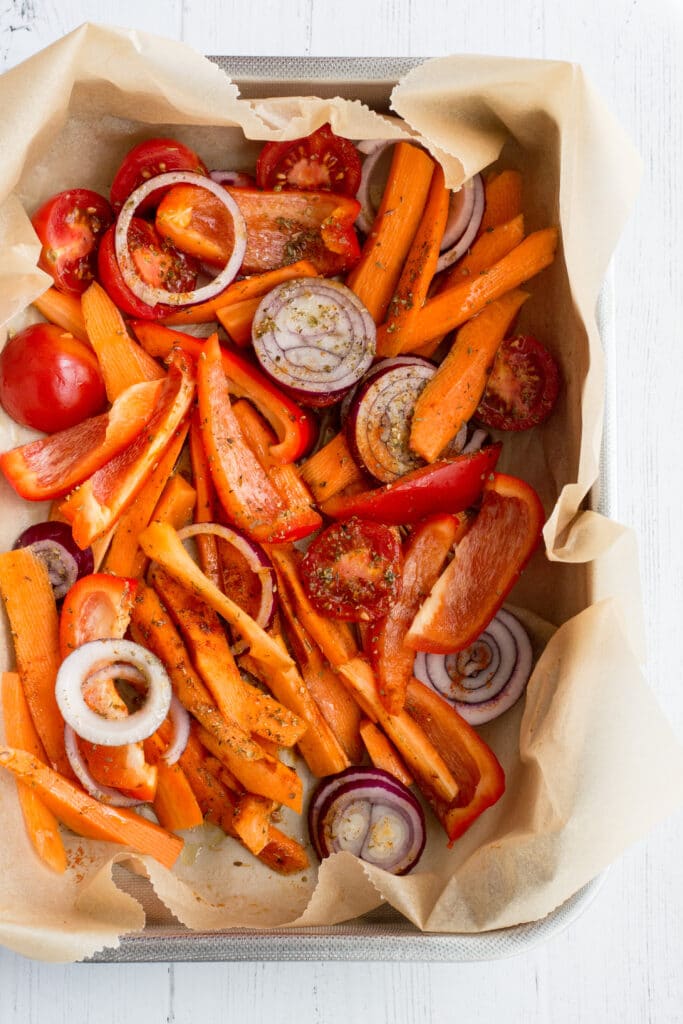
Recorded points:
(622, 961)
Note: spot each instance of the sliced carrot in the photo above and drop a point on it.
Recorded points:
(503, 199)
(30, 605)
(41, 825)
(251, 821)
(122, 361)
(455, 305)
(376, 275)
(64, 311)
(175, 804)
(176, 504)
(383, 753)
(88, 817)
(331, 469)
(237, 320)
(452, 395)
(205, 507)
(257, 771)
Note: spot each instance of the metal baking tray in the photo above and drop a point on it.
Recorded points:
(383, 934)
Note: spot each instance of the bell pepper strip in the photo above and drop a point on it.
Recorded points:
(123, 767)
(427, 550)
(88, 817)
(205, 506)
(295, 427)
(480, 776)
(29, 602)
(41, 825)
(49, 468)
(451, 485)
(487, 563)
(97, 607)
(95, 506)
(63, 310)
(331, 469)
(383, 753)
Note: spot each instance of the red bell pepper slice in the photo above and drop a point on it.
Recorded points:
(480, 778)
(295, 427)
(95, 506)
(448, 486)
(487, 563)
(50, 468)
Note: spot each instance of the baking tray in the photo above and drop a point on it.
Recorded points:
(383, 934)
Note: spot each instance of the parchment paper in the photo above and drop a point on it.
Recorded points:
(584, 751)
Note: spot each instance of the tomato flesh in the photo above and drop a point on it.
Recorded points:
(523, 386)
(147, 160)
(70, 225)
(158, 262)
(111, 278)
(49, 380)
(352, 570)
(321, 162)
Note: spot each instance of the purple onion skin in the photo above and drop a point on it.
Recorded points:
(61, 534)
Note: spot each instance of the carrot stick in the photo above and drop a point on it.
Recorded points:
(41, 825)
(420, 266)
(382, 753)
(237, 320)
(251, 821)
(176, 504)
(503, 199)
(257, 771)
(122, 361)
(375, 276)
(331, 469)
(64, 311)
(30, 605)
(125, 557)
(175, 804)
(88, 817)
(283, 854)
(205, 508)
(452, 395)
(251, 287)
(461, 302)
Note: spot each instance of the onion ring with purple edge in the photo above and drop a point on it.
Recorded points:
(52, 542)
(377, 368)
(460, 246)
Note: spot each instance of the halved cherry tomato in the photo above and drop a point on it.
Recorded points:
(523, 386)
(321, 162)
(49, 380)
(69, 226)
(146, 160)
(158, 262)
(352, 570)
(116, 288)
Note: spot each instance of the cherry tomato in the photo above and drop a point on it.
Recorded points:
(146, 160)
(352, 570)
(321, 162)
(523, 386)
(49, 380)
(69, 226)
(150, 259)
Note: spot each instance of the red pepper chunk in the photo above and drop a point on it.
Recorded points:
(487, 564)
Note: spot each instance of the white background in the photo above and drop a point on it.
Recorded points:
(623, 961)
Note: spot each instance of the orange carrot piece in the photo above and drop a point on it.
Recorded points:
(205, 508)
(125, 558)
(122, 361)
(283, 854)
(420, 266)
(383, 753)
(503, 199)
(64, 311)
(237, 320)
(251, 821)
(257, 771)
(251, 287)
(455, 305)
(176, 504)
(376, 275)
(88, 817)
(41, 825)
(30, 605)
(331, 469)
(175, 804)
(452, 395)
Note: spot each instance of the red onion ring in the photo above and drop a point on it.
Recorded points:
(105, 794)
(180, 721)
(374, 149)
(53, 543)
(237, 179)
(377, 368)
(460, 245)
(313, 337)
(488, 677)
(146, 292)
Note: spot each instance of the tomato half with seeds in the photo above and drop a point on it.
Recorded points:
(321, 162)
(352, 570)
(69, 227)
(523, 387)
(147, 160)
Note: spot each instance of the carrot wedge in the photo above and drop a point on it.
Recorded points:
(455, 305)
(41, 825)
(503, 199)
(122, 361)
(257, 771)
(382, 752)
(175, 804)
(64, 311)
(88, 817)
(283, 854)
(251, 821)
(331, 469)
(452, 395)
(237, 320)
(176, 504)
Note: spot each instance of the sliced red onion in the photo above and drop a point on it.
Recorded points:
(379, 420)
(180, 721)
(52, 542)
(369, 813)
(256, 559)
(105, 794)
(315, 338)
(148, 293)
(377, 368)
(460, 208)
(237, 179)
(488, 677)
(453, 250)
(369, 204)
(89, 658)
(478, 439)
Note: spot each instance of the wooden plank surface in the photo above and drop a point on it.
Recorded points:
(622, 961)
